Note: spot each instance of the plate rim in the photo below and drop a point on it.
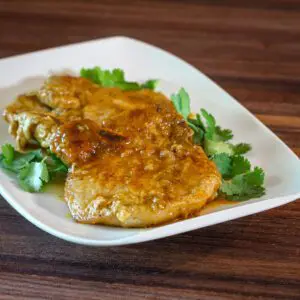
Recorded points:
(256, 207)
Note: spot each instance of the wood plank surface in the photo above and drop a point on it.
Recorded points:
(251, 49)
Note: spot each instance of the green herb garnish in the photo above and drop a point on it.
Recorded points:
(33, 176)
(34, 169)
(244, 186)
(115, 78)
(8, 153)
(238, 181)
(55, 165)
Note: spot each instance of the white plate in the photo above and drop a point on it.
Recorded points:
(142, 61)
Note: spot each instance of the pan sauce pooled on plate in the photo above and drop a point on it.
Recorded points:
(131, 156)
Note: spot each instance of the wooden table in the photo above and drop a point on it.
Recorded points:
(250, 48)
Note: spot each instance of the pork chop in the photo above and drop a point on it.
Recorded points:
(132, 159)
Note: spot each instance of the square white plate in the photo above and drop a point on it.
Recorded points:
(142, 61)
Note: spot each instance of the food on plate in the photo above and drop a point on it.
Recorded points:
(131, 157)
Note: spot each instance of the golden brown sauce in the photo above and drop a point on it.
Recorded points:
(56, 188)
(215, 205)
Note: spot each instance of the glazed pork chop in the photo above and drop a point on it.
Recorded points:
(131, 156)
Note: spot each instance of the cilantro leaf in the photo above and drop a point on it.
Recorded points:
(213, 131)
(230, 166)
(117, 74)
(216, 138)
(224, 163)
(242, 148)
(184, 103)
(93, 75)
(150, 84)
(222, 134)
(210, 123)
(198, 127)
(125, 86)
(55, 165)
(199, 121)
(198, 136)
(176, 102)
(212, 148)
(33, 168)
(240, 165)
(256, 177)
(109, 79)
(33, 176)
(115, 78)
(19, 162)
(244, 186)
(8, 153)
(181, 102)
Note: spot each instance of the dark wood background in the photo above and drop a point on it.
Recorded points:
(252, 49)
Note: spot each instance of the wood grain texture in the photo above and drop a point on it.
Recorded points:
(250, 48)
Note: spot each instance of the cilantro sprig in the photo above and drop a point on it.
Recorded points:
(115, 78)
(33, 169)
(239, 181)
